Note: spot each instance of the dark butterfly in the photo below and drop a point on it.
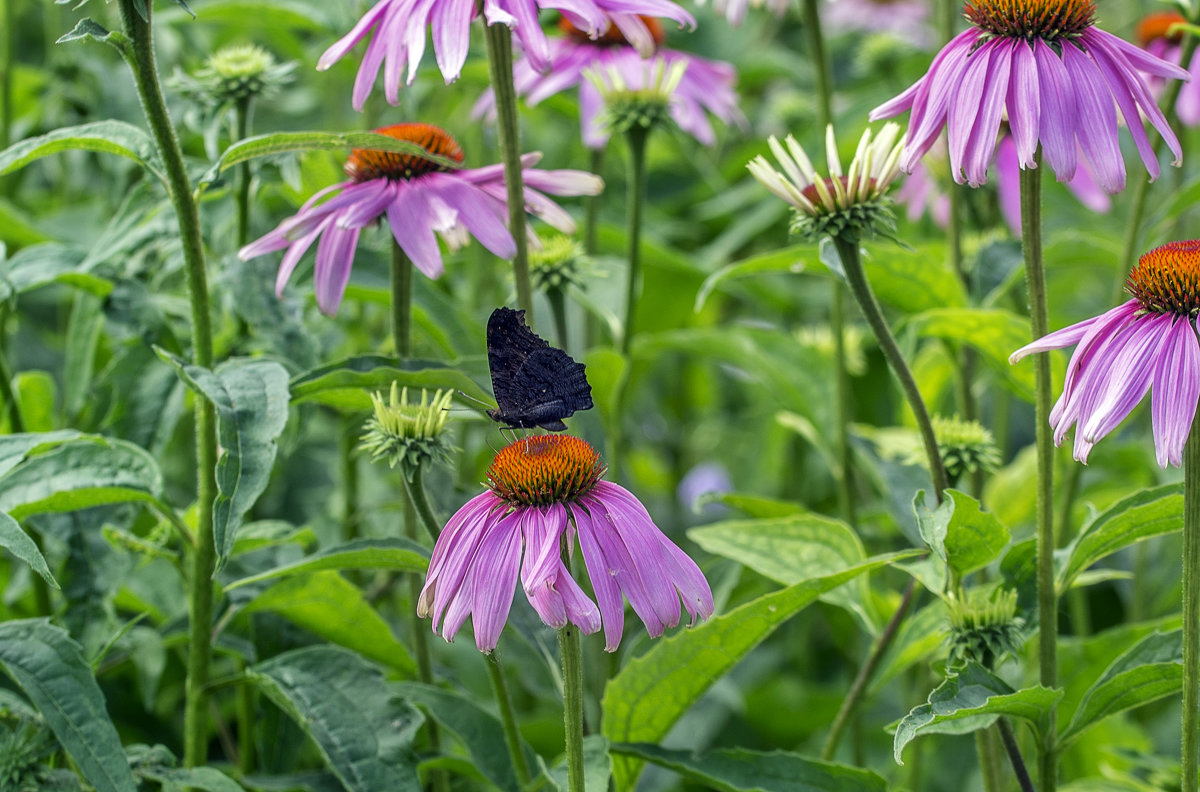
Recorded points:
(535, 384)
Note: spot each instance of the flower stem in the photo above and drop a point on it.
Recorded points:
(988, 761)
(1014, 754)
(865, 673)
(9, 394)
(842, 396)
(508, 719)
(591, 220)
(420, 501)
(241, 196)
(558, 309)
(636, 136)
(6, 70)
(500, 65)
(856, 278)
(348, 455)
(572, 665)
(820, 62)
(1035, 281)
(1191, 612)
(401, 301)
(140, 55)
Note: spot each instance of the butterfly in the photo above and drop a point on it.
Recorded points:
(535, 384)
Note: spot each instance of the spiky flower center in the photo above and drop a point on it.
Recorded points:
(612, 37)
(544, 469)
(367, 164)
(1167, 279)
(1158, 26)
(1048, 20)
(813, 193)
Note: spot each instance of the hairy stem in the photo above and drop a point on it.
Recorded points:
(402, 277)
(572, 665)
(508, 720)
(636, 136)
(1014, 754)
(558, 309)
(241, 195)
(1191, 613)
(140, 55)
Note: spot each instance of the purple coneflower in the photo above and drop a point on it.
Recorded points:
(543, 491)
(706, 85)
(400, 27)
(1154, 33)
(418, 196)
(1146, 344)
(1058, 77)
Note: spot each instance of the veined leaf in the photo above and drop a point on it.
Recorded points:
(14, 539)
(959, 532)
(108, 137)
(346, 384)
(401, 555)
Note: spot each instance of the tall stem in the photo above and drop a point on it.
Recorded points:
(401, 301)
(591, 220)
(500, 64)
(348, 455)
(841, 397)
(1035, 281)
(420, 501)
(508, 720)
(558, 309)
(988, 761)
(856, 279)
(572, 665)
(140, 54)
(241, 196)
(6, 70)
(1014, 754)
(1191, 612)
(636, 136)
(820, 62)
(9, 394)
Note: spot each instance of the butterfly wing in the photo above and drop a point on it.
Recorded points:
(509, 344)
(535, 384)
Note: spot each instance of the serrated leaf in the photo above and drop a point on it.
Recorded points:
(959, 532)
(400, 555)
(88, 28)
(916, 280)
(14, 539)
(107, 137)
(993, 333)
(340, 701)
(977, 694)
(82, 472)
(1146, 513)
(49, 668)
(742, 770)
(477, 728)
(792, 259)
(346, 385)
(791, 549)
(50, 262)
(327, 604)
(251, 400)
(1150, 670)
(651, 692)
(287, 142)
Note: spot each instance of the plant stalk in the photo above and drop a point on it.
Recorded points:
(1191, 613)
(241, 196)
(15, 420)
(508, 720)
(6, 72)
(420, 501)
(558, 310)
(500, 65)
(402, 281)
(989, 763)
(572, 665)
(1035, 281)
(856, 279)
(140, 55)
(1014, 755)
(636, 136)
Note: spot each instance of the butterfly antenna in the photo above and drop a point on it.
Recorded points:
(472, 399)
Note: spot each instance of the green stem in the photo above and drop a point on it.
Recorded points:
(856, 278)
(558, 309)
(420, 501)
(1035, 281)
(508, 720)
(348, 454)
(8, 393)
(572, 665)
(591, 220)
(1191, 612)
(1014, 754)
(402, 277)
(500, 65)
(6, 70)
(988, 761)
(636, 136)
(865, 674)
(140, 54)
(245, 721)
(241, 196)
(820, 62)
(842, 405)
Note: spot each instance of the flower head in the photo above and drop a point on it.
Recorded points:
(1146, 344)
(419, 195)
(966, 447)
(399, 33)
(641, 103)
(558, 264)
(236, 73)
(1057, 76)
(1154, 33)
(543, 492)
(408, 434)
(840, 203)
(984, 627)
(705, 87)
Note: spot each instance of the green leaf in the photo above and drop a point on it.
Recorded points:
(108, 137)
(607, 371)
(40, 265)
(738, 769)
(87, 28)
(83, 336)
(287, 142)
(597, 766)
(916, 280)
(346, 385)
(176, 779)
(1150, 670)
(994, 333)
(400, 555)
(651, 692)
(791, 549)
(330, 606)
(959, 532)
(83, 472)
(792, 259)
(14, 539)
(1146, 513)
(976, 697)
(49, 667)
(251, 400)
(341, 702)
(37, 393)
(477, 728)
(14, 448)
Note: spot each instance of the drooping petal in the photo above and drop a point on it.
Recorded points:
(1024, 103)
(982, 141)
(1108, 400)
(331, 273)
(346, 43)
(1114, 74)
(1175, 391)
(1058, 112)
(451, 35)
(964, 110)
(603, 576)
(495, 580)
(486, 220)
(411, 220)
(1097, 119)
(1008, 183)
